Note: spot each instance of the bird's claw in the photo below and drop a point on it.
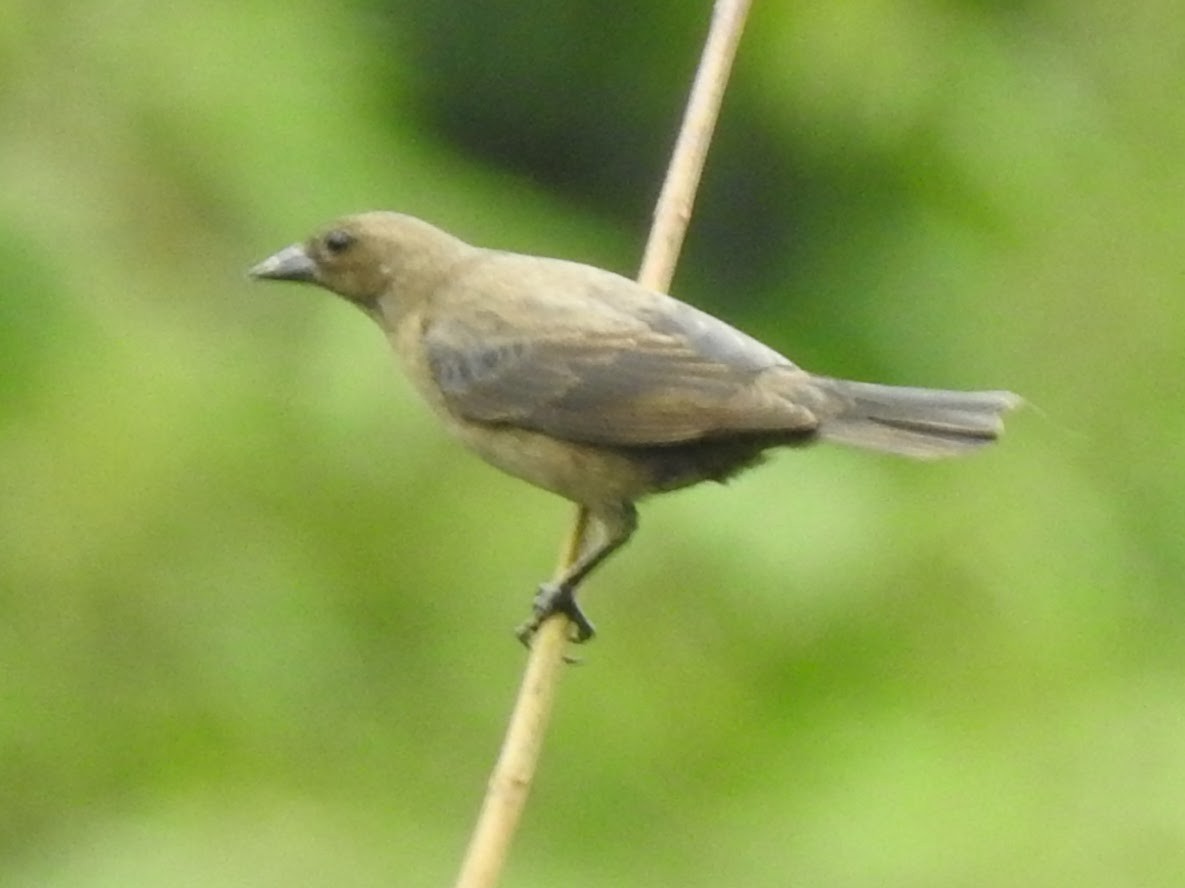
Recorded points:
(556, 598)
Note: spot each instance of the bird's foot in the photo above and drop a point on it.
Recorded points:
(556, 598)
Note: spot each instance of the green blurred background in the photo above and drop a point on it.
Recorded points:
(255, 609)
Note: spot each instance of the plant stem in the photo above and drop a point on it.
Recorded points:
(510, 782)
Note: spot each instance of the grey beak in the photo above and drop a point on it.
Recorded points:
(290, 264)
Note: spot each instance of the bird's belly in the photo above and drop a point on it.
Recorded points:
(593, 475)
(583, 473)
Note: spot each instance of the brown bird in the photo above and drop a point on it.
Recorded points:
(587, 384)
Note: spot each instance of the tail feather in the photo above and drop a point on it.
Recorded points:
(918, 422)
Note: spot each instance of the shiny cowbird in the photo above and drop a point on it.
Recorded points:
(589, 385)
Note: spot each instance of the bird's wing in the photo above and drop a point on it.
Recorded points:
(617, 368)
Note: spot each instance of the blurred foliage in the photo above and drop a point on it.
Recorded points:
(256, 610)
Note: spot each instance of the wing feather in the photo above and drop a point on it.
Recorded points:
(610, 366)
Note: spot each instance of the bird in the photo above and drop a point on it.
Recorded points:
(584, 383)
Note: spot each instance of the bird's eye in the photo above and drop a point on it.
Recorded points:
(338, 241)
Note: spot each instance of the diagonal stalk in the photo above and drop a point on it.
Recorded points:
(511, 779)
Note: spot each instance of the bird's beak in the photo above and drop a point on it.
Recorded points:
(290, 264)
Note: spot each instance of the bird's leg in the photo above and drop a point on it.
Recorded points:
(614, 527)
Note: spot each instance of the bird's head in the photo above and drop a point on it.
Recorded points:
(368, 258)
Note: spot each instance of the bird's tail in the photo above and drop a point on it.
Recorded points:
(917, 422)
